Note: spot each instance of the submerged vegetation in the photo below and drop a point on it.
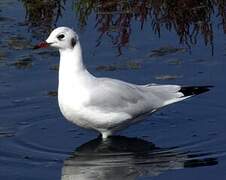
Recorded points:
(188, 18)
(114, 18)
(42, 15)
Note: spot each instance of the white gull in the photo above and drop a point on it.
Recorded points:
(104, 104)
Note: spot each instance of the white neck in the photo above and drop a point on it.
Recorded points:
(71, 60)
(72, 69)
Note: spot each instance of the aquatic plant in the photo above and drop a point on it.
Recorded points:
(114, 18)
(42, 15)
(187, 18)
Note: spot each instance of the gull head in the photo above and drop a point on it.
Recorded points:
(61, 38)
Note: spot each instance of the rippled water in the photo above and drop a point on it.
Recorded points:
(136, 41)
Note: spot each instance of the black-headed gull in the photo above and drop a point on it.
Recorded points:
(104, 104)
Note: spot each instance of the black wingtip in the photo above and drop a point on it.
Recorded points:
(194, 90)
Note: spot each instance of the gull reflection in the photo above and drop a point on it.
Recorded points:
(125, 158)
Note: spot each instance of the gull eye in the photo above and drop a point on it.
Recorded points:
(60, 37)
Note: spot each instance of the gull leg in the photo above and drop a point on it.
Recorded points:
(106, 134)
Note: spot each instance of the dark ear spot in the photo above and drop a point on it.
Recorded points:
(73, 42)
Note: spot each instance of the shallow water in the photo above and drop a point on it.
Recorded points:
(140, 42)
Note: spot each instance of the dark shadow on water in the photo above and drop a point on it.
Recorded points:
(127, 158)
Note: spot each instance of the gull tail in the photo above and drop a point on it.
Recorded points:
(187, 92)
(194, 90)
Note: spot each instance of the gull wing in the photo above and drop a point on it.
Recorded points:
(110, 95)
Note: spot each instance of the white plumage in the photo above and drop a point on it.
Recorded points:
(105, 104)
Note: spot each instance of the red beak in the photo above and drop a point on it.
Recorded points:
(41, 45)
